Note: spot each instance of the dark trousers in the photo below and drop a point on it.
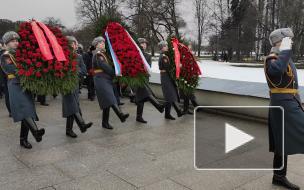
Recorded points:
(116, 88)
(41, 99)
(1, 90)
(277, 163)
(187, 99)
(140, 109)
(91, 88)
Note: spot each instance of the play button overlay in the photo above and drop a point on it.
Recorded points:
(230, 138)
(235, 138)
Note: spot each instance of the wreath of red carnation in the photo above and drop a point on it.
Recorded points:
(189, 71)
(38, 75)
(130, 63)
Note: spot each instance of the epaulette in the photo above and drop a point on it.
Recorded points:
(271, 56)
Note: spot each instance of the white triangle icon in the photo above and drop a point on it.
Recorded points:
(235, 138)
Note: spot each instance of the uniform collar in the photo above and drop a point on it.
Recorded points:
(275, 50)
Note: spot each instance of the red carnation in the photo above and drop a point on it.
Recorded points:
(28, 61)
(39, 64)
(38, 74)
(21, 72)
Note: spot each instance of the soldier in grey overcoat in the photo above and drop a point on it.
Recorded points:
(103, 82)
(21, 102)
(144, 94)
(168, 84)
(3, 84)
(281, 75)
(70, 102)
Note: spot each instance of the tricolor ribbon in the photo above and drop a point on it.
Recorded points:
(175, 43)
(146, 64)
(43, 44)
(117, 64)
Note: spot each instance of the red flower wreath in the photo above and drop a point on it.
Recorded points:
(39, 75)
(132, 66)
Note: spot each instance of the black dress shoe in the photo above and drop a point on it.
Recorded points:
(283, 181)
(141, 120)
(170, 117)
(25, 144)
(70, 133)
(121, 104)
(107, 126)
(44, 104)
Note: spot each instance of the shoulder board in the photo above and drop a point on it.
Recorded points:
(271, 56)
(104, 57)
(101, 57)
(6, 53)
(166, 59)
(9, 57)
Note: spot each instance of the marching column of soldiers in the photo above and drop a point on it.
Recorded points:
(280, 72)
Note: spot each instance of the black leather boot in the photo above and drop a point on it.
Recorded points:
(37, 133)
(81, 124)
(139, 112)
(42, 100)
(283, 181)
(168, 111)
(177, 109)
(69, 127)
(119, 113)
(105, 118)
(156, 104)
(195, 104)
(23, 136)
(186, 106)
(132, 99)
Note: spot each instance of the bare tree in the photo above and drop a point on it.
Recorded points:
(89, 11)
(55, 22)
(155, 19)
(201, 21)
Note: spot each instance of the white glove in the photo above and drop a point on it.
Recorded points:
(286, 44)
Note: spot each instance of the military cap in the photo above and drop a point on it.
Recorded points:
(97, 40)
(278, 35)
(142, 40)
(9, 36)
(162, 44)
(71, 39)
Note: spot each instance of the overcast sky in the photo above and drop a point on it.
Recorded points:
(65, 11)
(39, 9)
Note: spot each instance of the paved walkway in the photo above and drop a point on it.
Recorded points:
(133, 156)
